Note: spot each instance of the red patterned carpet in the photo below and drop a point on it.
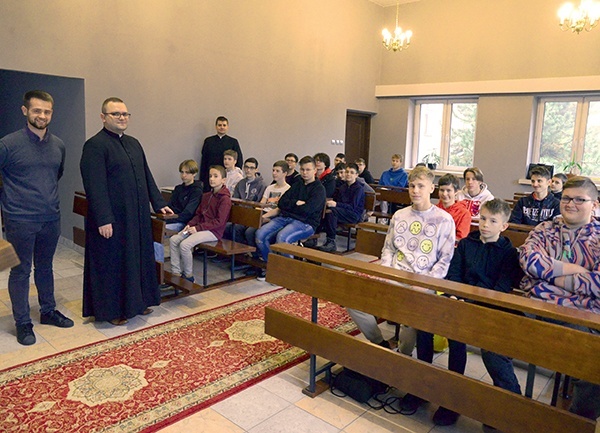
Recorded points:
(150, 378)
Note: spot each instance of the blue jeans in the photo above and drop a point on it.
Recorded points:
(34, 242)
(501, 371)
(281, 230)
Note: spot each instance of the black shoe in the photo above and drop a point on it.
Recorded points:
(444, 416)
(56, 318)
(262, 275)
(410, 403)
(310, 243)
(329, 246)
(25, 335)
(385, 344)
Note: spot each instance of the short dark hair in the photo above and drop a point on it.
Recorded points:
(324, 158)
(563, 177)
(232, 153)
(449, 179)
(220, 169)
(307, 160)
(292, 155)
(477, 173)
(285, 167)
(109, 100)
(352, 165)
(340, 166)
(222, 119)
(252, 160)
(37, 94)
(540, 171)
(190, 165)
(498, 206)
(341, 156)
(582, 182)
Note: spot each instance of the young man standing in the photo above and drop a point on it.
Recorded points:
(540, 205)
(31, 163)
(561, 262)
(213, 148)
(346, 206)
(298, 213)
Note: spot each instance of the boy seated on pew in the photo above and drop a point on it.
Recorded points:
(250, 188)
(448, 187)
(396, 177)
(557, 183)
(233, 174)
(346, 206)
(340, 174)
(298, 213)
(208, 224)
(484, 259)
(184, 201)
(363, 173)
(420, 240)
(538, 207)
(561, 260)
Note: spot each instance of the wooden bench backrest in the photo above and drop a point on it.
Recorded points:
(370, 199)
(391, 195)
(370, 238)
(245, 213)
(534, 341)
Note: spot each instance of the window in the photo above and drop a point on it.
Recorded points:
(445, 129)
(568, 130)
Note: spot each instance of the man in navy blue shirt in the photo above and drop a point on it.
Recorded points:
(31, 162)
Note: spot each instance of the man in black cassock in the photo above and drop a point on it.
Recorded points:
(213, 148)
(120, 278)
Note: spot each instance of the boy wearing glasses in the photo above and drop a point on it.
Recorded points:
(250, 188)
(540, 205)
(561, 261)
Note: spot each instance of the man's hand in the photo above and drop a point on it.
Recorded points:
(300, 203)
(106, 231)
(331, 203)
(192, 230)
(166, 210)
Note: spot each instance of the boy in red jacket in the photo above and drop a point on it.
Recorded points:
(208, 224)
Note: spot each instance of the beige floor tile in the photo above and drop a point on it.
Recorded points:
(251, 407)
(27, 354)
(371, 422)
(339, 412)
(285, 386)
(206, 421)
(294, 420)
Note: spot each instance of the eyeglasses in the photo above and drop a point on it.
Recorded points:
(118, 115)
(249, 167)
(577, 200)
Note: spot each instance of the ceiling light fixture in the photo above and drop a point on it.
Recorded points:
(399, 40)
(585, 17)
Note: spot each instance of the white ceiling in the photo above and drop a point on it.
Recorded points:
(386, 3)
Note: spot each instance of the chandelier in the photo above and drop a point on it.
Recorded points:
(585, 17)
(399, 40)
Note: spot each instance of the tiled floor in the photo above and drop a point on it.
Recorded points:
(274, 405)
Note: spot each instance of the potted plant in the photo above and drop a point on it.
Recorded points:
(573, 168)
(432, 160)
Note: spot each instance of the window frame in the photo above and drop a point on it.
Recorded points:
(446, 128)
(579, 130)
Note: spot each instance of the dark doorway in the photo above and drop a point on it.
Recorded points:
(358, 133)
(68, 123)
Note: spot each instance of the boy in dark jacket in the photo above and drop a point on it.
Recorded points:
(488, 260)
(540, 206)
(346, 206)
(208, 224)
(298, 213)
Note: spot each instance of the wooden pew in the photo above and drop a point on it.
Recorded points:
(392, 195)
(517, 233)
(246, 213)
(541, 343)
(370, 238)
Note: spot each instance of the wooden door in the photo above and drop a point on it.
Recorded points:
(358, 133)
